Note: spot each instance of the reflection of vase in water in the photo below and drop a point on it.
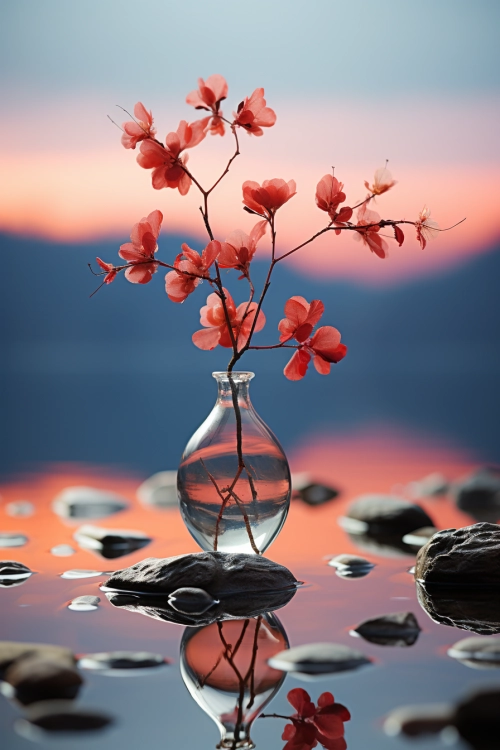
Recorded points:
(234, 480)
(224, 667)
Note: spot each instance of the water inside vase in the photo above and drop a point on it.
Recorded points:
(234, 479)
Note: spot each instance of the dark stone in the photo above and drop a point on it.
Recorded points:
(461, 557)
(12, 539)
(384, 545)
(479, 494)
(110, 543)
(399, 629)
(317, 494)
(87, 502)
(124, 661)
(350, 561)
(219, 574)
(385, 515)
(417, 721)
(63, 716)
(419, 537)
(233, 607)
(191, 601)
(474, 609)
(319, 658)
(477, 719)
(83, 603)
(13, 573)
(433, 485)
(39, 678)
(478, 653)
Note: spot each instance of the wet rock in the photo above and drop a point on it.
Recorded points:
(419, 537)
(160, 490)
(77, 574)
(478, 653)
(474, 609)
(121, 662)
(87, 502)
(416, 721)
(433, 485)
(477, 719)
(219, 574)
(384, 515)
(399, 629)
(62, 550)
(351, 566)
(461, 557)
(191, 601)
(110, 543)
(312, 493)
(84, 603)
(479, 494)
(38, 678)
(13, 573)
(319, 659)
(60, 716)
(248, 604)
(13, 539)
(20, 508)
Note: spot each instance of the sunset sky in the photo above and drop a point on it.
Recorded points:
(352, 85)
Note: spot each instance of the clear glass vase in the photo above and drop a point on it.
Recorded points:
(234, 480)
(224, 667)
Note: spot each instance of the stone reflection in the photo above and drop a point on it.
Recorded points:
(224, 666)
(474, 609)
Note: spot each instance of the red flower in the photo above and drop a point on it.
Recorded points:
(382, 182)
(239, 248)
(167, 163)
(310, 725)
(209, 95)
(111, 271)
(179, 284)
(370, 236)
(265, 199)
(138, 131)
(329, 195)
(324, 346)
(253, 115)
(216, 330)
(426, 227)
(141, 251)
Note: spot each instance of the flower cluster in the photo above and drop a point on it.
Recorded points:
(310, 725)
(224, 322)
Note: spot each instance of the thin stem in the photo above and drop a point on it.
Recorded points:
(275, 716)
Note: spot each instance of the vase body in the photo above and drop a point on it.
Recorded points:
(233, 686)
(234, 480)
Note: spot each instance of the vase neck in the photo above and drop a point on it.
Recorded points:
(230, 383)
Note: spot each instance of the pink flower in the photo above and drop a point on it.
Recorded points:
(311, 724)
(324, 346)
(265, 199)
(167, 163)
(426, 227)
(239, 248)
(382, 182)
(216, 331)
(111, 271)
(329, 194)
(141, 251)
(138, 131)
(192, 268)
(253, 115)
(370, 236)
(209, 95)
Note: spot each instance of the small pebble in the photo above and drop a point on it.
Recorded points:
(87, 502)
(13, 573)
(121, 662)
(20, 508)
(63, 550)
(318, 659)
(72, 574)
(12, 539)
(160, 490)
(478, 653)
(84, 603)
(47, 717)
(419, 537)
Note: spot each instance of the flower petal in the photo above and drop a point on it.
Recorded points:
(206, 339)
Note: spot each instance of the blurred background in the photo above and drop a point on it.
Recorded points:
(114, 380)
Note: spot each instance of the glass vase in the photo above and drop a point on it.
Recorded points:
(224, 667)
(234, 480)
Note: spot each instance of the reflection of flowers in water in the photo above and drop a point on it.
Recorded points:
(224, 666)
(312, 724)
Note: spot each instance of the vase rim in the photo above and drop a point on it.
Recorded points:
(239, 376)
